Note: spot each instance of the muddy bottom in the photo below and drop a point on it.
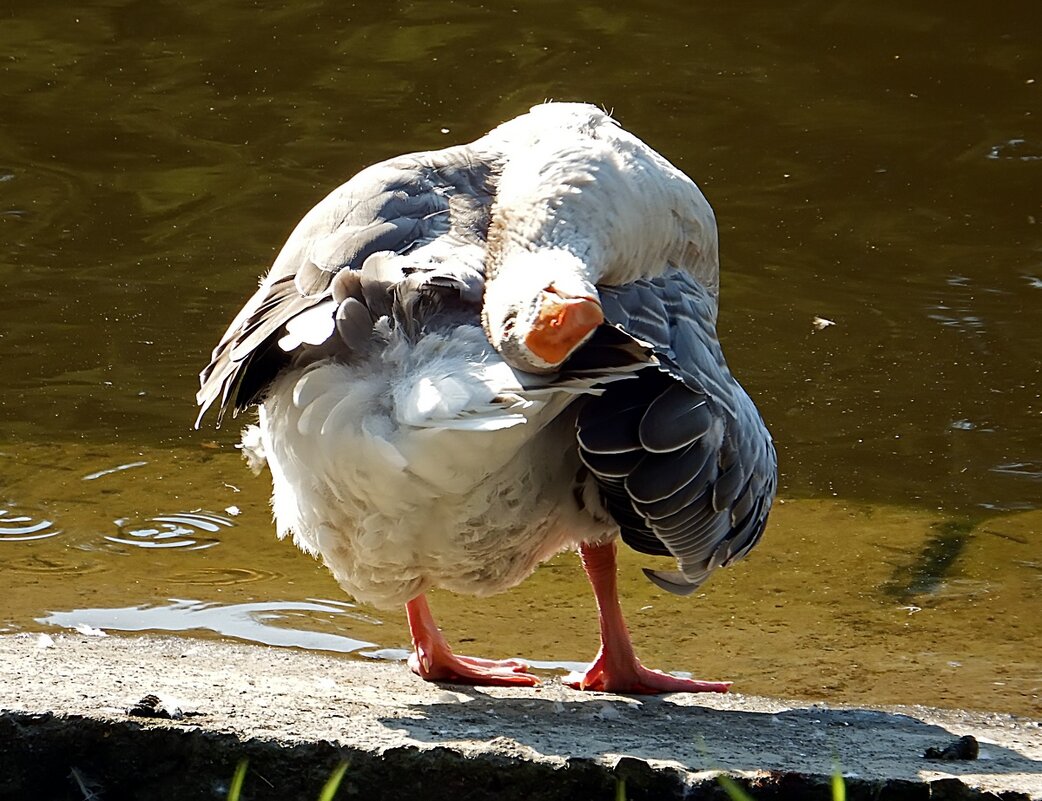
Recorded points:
(69, 729)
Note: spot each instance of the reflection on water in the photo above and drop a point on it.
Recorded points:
(108, 471)
(933, 563)
(1020, 469)
(171, 531)
(876, 166)
(254, 622)
(1018, 149)
(19, 527)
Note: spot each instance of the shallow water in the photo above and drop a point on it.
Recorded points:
(878, 167)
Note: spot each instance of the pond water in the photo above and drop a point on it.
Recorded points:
(878, 166)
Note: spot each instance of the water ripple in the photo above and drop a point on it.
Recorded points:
(1015, 150)
(18, 527)
(56, 565)
(223, 576)
(180, 530)
(110, 470)
(1019, 469)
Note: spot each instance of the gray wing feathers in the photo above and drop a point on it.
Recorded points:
(682, 458)
(676, 418)
(389, 209)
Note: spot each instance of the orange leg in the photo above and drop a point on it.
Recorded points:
(616, 668)
(433, 660)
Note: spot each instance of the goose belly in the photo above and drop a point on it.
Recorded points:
(395, 508)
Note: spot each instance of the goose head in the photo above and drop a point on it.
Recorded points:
(539, 308)
(580, 203)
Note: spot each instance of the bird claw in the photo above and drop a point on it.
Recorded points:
(638, 680)
(454, 669)
(433, 660)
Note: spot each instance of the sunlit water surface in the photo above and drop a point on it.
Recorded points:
(875, 166)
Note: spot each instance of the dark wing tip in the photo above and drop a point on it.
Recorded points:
(681, 456)
(672, 581)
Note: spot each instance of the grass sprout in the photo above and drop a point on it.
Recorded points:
(235, 788)
(736, 793)
(328, 789)
(333, 783)
(839, 787)
(733, 790)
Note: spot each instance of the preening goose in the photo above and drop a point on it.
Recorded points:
(470, 359)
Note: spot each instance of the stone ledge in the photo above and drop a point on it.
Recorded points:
(295, 715)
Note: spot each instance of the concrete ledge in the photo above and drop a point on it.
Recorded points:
(65, 733)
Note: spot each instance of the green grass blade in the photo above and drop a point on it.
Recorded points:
(732, 789)
(620, 790)
(235, 788)
(333, 783)
(839, 787)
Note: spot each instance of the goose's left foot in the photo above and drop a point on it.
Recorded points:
(635, 679)
(616, 668)
(433, 660)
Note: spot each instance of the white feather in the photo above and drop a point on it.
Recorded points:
(313, 326)
(427, 466)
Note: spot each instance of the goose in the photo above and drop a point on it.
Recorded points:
(468, 360)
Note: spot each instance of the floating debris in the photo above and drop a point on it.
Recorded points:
(820, 323)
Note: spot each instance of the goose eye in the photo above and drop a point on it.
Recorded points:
(509, 321)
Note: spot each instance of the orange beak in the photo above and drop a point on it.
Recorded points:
(561, 326)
